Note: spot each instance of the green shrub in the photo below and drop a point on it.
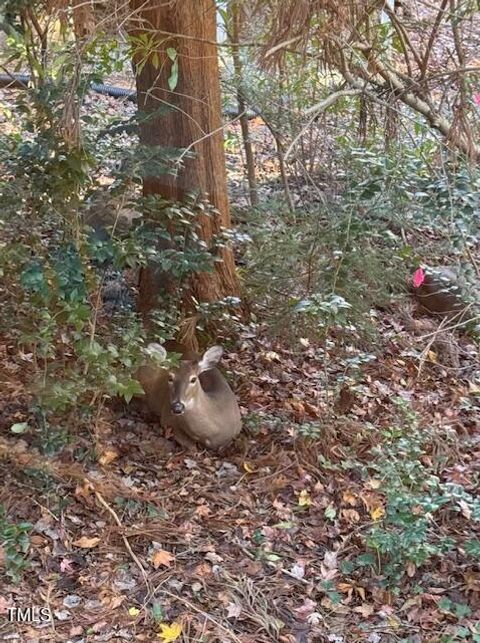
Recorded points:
(15, 544)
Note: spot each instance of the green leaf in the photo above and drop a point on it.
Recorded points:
(19, 427)
(172, 53)
(445, 604)
(173, 79)
(461, 610)
(157, 612)
(330, 512)
(472, 548)
(273, 558)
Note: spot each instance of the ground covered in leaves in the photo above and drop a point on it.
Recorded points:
(135, 540)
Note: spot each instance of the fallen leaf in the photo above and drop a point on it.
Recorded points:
(466, 511)
(162, 557)
(361, 592)
(233, 610)
(86, 543)
(248, 467)
(272, 356)
(330, 560)
(66, 565)
(350, 515)
(134, 611)
(169, 633)
(203, 511)
(108, 456)
(411, 569)
(213, 558)
(330, 512)
(297, 571)
(304, 499)
(4, 604)
(314, 618)
(305, 610)
(203, 570)
(366, 610)
(377, 513)
(349, 498)
(20, 427)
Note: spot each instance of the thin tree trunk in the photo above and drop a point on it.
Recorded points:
(279, 142)
(283, 171)
(192, 120)
(242, 107)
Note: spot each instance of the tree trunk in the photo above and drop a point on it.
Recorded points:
(193, 121)
(242, 106)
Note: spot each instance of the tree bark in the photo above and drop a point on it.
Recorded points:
(193, 121)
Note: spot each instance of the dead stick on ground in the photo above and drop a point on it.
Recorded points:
(135, 558)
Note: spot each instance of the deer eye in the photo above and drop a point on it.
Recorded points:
(193, 379)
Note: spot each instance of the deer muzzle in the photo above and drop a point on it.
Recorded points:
(177, 408)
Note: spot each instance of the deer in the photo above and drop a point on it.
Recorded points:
(193, 398)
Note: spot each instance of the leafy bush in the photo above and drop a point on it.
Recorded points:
(15, 543)
(416, 502)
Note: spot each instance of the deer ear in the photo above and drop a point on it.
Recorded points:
(210, 359)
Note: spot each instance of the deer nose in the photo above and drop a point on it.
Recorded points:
(177, 407)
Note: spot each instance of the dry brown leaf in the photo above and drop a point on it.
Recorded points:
(161, 557)
(203, 511)
(108, 456)
(366, 610)
(361, 592)
(86, 543)
(350, 515)
(4, 604)
(349, 498)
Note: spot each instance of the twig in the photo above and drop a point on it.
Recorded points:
(282, 45)
(318, 109)
(449, 328)
(112, 512)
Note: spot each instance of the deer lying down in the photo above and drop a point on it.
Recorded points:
(193, 399)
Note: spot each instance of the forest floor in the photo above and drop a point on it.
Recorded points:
(246, 546)
(133, 539)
